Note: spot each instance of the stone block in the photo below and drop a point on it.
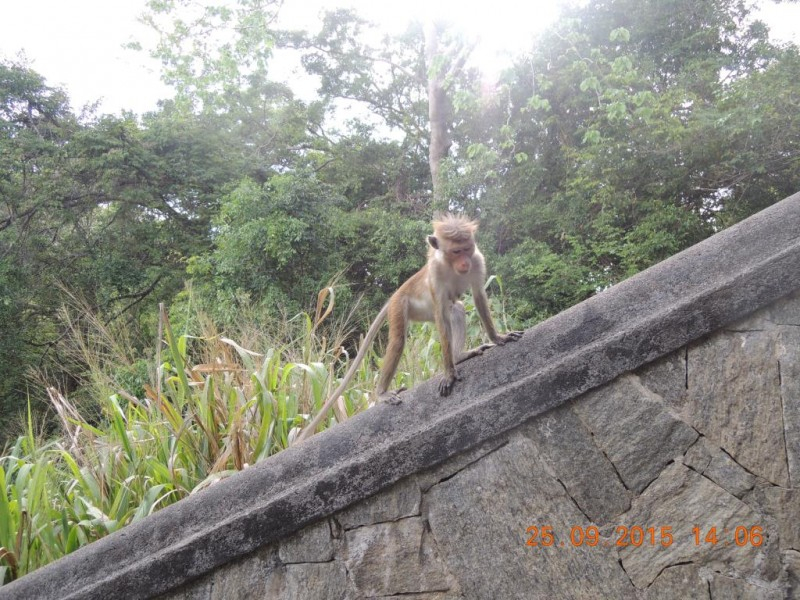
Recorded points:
(710, 461)
(400, 557)
(666, 377)
(782, 507)
(430, 477)
(311, 544)
(725, 588)
(566, 445)
(634, 429)
(246, 578)
(684, 582)
(682, 499)
(735, 400)
(479, 518)
(789, 365)
(399, 501)
(791, 559)
(309, 581)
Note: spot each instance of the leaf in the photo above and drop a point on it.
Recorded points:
(536, 102)
(620, 34)
(590, 83)
(617, 111)
(592, 137)
(149, 502)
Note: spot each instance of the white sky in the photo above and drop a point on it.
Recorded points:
(77, 44)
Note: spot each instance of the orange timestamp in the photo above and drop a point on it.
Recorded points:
(636, 536)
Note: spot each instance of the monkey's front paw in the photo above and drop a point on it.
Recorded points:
(511, 336)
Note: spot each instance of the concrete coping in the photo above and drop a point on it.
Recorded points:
(696, 292)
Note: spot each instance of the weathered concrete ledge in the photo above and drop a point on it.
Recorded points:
(694, 293)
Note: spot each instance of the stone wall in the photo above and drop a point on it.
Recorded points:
(620, 449)
(706, 437)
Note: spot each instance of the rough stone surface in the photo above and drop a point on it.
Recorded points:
(789, 363)
(681, 499)
(401, 500)
(684, 582)
(480, 516)
(196, 590)
(784, 312)
(791, 559)
(567, 447)
(723, 588)
(666, 378)
(395, 558)
(712, 462)
(782, 507)
(742, 412)
(312, 544)
(634, 429)
(309, 581)
(678, 406)
(430, 477)
(428, 596)
(244, 579)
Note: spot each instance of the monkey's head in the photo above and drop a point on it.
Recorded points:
(454, 237)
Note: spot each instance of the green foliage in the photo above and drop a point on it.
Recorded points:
(215, 407)
(641, 147)
(272, 240)
(208, 51)
(276, 244)
(390, 77)
(211, 407)
(95, 207)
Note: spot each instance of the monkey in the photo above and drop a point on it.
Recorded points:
(454, 266)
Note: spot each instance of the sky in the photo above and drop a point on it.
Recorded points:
(78, 44)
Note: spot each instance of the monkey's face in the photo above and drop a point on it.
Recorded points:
(460, 257)
(457, 254)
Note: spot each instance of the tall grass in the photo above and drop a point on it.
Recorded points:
(210, 407)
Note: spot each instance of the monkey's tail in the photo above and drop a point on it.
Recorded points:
(373, 330)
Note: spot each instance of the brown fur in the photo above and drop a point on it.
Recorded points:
(452, 227)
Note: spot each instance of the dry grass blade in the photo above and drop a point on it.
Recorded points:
(10, 559)
(221, 368)
(319, 315)
(340, 409)
(239, 348)
(70, 420)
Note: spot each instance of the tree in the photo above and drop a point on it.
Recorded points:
(632, 130)
(408, 81)
(35, 124)
(445, 57)
(211, 52)
(105, 208)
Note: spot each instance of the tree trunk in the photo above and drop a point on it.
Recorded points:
(438, 112)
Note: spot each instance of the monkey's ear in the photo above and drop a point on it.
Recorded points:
(433, 242)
